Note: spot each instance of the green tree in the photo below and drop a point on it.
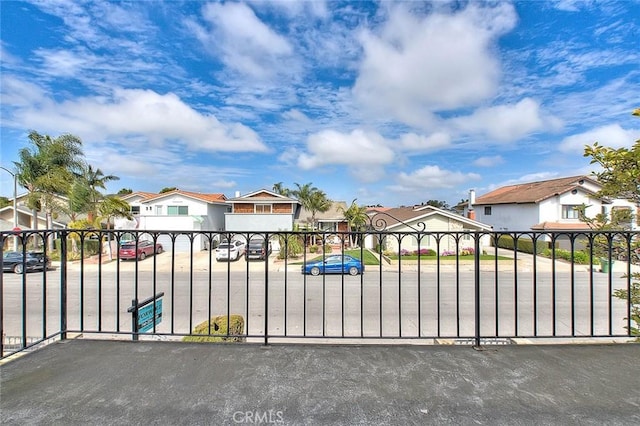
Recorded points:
(620, 178)
(167, 189)
(438, 204)
(4, 202)
(125, 191)
(356, 217)
(95, 179)
(110, 208)
(46, 168)
(279, 188)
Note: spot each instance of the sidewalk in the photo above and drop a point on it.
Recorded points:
(84, 382)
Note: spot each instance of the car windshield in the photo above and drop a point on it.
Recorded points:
(224, 246)
(129, 246)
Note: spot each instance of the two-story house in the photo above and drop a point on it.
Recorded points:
(550, 205)
(260, 211)
(176, 211)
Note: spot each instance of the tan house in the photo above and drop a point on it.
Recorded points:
(260, 211)
(401, 228)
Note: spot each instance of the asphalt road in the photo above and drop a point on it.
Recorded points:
(392, 302)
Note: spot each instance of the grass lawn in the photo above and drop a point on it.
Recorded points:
(369, 258)
(449, 258)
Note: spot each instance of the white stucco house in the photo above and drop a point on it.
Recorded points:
(549, 205)
(176, 211)
(425, 219)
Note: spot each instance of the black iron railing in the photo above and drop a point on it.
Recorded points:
(427, 286)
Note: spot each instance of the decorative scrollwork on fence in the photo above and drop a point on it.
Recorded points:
(378, 222)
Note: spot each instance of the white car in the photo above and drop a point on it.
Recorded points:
(230, 251)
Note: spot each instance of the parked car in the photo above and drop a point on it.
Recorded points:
(258, 249)
(335, 264)
(17, 262)
(145, 248)
(230, 250)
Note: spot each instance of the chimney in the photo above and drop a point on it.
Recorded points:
(471, 214)
(237, 194)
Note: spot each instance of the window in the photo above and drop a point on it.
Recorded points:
(177, 210)
(263, 208)
(570, 211)
(158, 210)
(135, 210)
(487, 211)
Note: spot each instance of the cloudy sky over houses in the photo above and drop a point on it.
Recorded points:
(387, 102)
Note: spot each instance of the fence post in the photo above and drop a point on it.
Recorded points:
(477, 287)
(63, 285)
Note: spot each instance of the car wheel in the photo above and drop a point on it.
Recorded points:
(353, 271)
(142, 256)
(315, 271)
(159, 250)
(18, 269)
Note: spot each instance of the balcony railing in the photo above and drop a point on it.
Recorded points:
(420, 286)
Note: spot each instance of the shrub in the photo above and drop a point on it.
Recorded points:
(216, 330)
(524, 245)
(634, 300)
(448, 253)
(313, 249)
(290, 246)
(424, 252)
(405, 252)
(327, 248)
(579, 257)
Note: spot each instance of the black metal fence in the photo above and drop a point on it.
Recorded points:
(426, 286)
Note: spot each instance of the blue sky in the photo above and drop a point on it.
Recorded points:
(389, 102)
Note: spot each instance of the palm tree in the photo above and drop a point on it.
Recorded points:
(94, 179)
(112, 207)
(279, 188)
(356, 217)
(46, 169)
(317, 203)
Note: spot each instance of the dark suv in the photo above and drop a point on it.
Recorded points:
(258, 249)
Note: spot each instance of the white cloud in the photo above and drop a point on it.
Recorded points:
(489, 161)
(432, 178)
(161, 119)
(358, 148)
(415, 66)
(435, 141)
(245, 43)
(507, 123)
(612, 135)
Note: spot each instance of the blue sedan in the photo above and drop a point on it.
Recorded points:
(335, 264)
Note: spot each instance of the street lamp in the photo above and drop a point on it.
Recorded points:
(15, 205)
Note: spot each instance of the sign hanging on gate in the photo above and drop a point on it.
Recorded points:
(148, 318)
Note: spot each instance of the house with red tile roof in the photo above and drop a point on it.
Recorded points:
(176, 210)
(549, 205)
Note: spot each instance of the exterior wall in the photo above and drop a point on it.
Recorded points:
(396, 243)
(249, 208)
(215, 217)
(509, 217)
(196, 208)
(173, 223)
(243, 208)
(258, 222)
(282, 208)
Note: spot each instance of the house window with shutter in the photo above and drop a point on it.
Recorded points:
(487, 211)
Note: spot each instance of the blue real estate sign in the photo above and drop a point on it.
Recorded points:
(146, 318)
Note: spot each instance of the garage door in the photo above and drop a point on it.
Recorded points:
(182, 243)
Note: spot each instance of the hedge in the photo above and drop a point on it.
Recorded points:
(525, 245)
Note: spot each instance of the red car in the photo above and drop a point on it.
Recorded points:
(145, 248)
